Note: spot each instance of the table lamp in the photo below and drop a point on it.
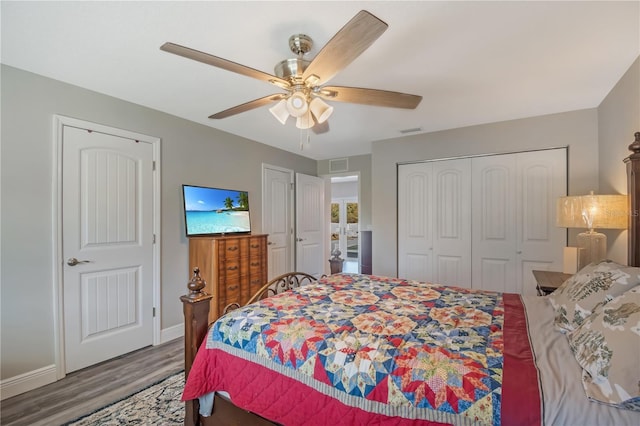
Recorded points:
(592, 212)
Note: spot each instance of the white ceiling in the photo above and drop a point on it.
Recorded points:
(473, 62)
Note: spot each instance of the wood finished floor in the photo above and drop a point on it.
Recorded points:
(86, 390)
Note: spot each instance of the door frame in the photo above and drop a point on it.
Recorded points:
(290, 207)
(59, 122)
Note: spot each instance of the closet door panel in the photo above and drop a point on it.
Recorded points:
(542, 177)
(415, 223)
(452, 270)
(496, 274)
(493, 222)
(418, 267)
(452, 218)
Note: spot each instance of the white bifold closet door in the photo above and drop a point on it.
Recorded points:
(483, 222)
(514, 230)
(434, 205)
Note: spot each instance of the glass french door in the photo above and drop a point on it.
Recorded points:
(344, 228)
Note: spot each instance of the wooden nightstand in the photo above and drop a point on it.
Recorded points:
(548, 281)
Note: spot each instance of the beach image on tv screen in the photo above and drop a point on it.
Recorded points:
(215, 211)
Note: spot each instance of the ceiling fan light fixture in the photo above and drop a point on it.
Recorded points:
(280, 111)
(320, 109)
(303, 81)
(305, 121)
(297, 104)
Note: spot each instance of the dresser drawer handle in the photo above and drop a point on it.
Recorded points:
(233, 248)
(232, 287)
(256, 282)
(255, 263)
(255, 245)
(232, 268)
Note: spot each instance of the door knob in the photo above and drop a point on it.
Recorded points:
(299, 239)
(73, 261)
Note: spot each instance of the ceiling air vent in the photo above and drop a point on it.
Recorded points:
(339, 165)
(412, 130)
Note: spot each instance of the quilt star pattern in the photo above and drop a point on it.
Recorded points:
(401, 343)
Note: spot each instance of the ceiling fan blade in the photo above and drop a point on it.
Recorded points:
(247, 106)
(345, 46)
(376, 97)
(225, 64)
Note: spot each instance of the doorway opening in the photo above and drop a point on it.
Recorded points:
(345, 232)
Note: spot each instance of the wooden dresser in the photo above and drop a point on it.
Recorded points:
(234, 267)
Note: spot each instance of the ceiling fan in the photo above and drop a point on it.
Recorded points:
(303, 80)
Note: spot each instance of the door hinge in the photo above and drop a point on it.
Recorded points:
(154, 311)
(154, 166)
(293, 186)
(154, 238)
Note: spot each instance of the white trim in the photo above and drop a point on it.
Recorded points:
(59, 121)
(58, 307)
(27, 381)
(171, 333)
(157, 246)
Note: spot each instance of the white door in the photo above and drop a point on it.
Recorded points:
(484, 222)
(344, 226)
(310, 226)
(513, 225)
(542, 177)
(452, 222)
(107, 221)
(494, 223)
(434, 224)
(415, 222)
(277, 195)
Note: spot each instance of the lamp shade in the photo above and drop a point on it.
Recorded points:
(592, 212)
(297, 104)
(280, 111)
(320, 109)
(305, 121)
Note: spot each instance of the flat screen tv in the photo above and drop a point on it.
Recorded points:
(215, 211)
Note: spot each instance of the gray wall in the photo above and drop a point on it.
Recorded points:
(618, 120)
(191, 153)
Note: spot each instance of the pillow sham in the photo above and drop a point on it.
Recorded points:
(607, 347)
(594, 285)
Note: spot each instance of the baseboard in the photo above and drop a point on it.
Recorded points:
(27, 381)
(171, 333)
(43, 376)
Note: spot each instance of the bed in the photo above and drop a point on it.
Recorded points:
(362, 349)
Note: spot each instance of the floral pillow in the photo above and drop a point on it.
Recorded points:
(607, 347)
(594, 285)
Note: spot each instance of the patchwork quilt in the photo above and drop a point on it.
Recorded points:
(370, 350)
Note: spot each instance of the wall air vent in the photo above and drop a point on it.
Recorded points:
(339, 165)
